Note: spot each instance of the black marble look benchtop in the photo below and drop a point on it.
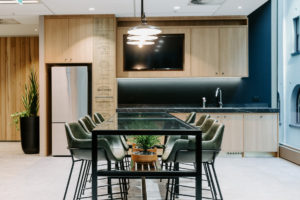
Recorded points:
(193, 108)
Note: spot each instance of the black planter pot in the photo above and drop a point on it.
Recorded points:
(30, 134)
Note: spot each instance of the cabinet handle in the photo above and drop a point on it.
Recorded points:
(216, 73)
(261, 116)
(222, 73)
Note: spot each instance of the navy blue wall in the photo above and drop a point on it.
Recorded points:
(253, 90)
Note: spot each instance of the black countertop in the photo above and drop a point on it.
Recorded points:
(194, 108)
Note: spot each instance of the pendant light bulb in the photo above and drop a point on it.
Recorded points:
(143, 33)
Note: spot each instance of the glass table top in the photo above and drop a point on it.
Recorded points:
(144, 121)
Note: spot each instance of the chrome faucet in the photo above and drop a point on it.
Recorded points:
(203, 102)
(219, 93)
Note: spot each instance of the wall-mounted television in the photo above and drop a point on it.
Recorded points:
(166, 54)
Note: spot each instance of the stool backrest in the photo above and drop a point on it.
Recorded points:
(202, 119)
(191, 117)
(87, 123)
(213, 139)
(98, 118)
(75, 133)
(207, 125)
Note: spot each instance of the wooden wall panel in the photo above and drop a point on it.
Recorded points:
(17, 56)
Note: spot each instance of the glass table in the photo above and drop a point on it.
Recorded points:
(146, 124)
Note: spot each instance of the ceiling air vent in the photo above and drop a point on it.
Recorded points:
(207, 2)
(9, 21)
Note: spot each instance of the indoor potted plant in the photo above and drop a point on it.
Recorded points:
(144, 150)
(29, 120)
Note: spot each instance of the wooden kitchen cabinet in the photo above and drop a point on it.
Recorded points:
(69, 40)
(233, 133)
(219, 51)
(233, 52)
(261, 132)
(205, 52)
(56, 40)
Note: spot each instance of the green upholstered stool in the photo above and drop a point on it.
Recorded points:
(183, 151)
(80, 144)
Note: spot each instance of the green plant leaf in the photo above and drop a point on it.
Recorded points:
(30, 99)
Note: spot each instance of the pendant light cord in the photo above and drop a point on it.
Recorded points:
(143, 16)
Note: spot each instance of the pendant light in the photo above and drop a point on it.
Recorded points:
(142, 34)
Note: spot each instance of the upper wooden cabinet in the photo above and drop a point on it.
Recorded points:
(56, 40)
(205, 52)
(69, 40)
(234, 52)
(219, 52)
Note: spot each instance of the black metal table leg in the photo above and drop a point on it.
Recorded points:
(94, 166)
(198, 167)
(176, 168)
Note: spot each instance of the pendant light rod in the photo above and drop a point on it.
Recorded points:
(143, 16)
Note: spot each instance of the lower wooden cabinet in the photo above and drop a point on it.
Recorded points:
(233, 132)
(261, 132)
(246, 132)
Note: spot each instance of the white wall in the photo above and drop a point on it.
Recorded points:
(288, 70)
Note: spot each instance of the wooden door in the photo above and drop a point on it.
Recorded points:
(56, 40)
(234, 52)
(260, 133)
(233, 138)
(205, 52)
(80, 40)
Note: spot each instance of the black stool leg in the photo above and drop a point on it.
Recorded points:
(208, 180)
(80, 188)
(216, 178)
(76, 189)
(125, 188)
(70, 175)
(109, 189)
(86, 175)
(211, 181)
(176, 168)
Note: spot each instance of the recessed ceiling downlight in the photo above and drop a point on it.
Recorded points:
(206, 2)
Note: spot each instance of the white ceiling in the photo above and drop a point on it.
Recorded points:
(27, 14)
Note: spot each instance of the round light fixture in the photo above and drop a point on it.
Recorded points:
(144, 29)
(143, 37)
(140, 43)
(142, 34)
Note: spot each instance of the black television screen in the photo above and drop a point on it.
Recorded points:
(166, 54)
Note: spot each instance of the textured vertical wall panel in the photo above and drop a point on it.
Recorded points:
(17, 56)
(104, 66)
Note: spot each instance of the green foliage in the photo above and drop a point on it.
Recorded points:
(30, 100)
(146, 141)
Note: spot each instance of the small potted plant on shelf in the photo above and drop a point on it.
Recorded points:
(143, 148)
(29, 120)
